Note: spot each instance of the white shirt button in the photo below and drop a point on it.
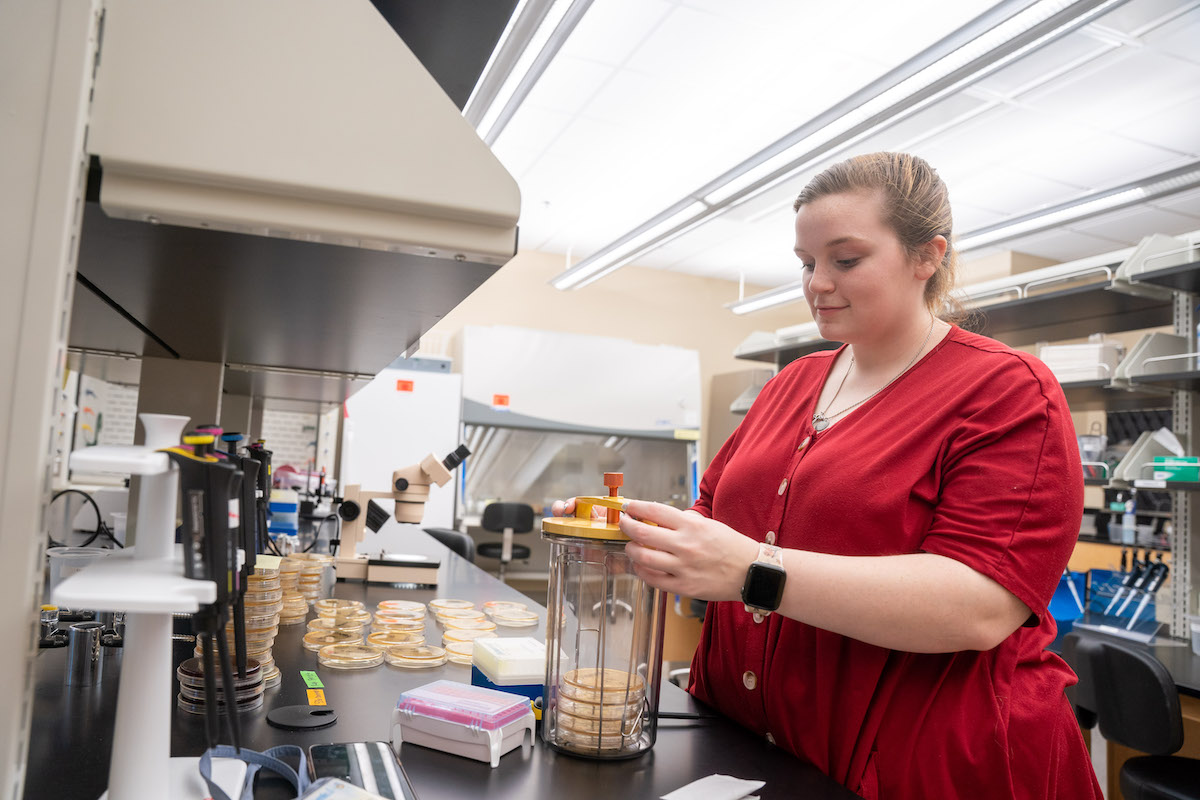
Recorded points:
(749, 680)
(804, 444)
(770, 738)
(758, 618)
(770, 537)
(783, 486)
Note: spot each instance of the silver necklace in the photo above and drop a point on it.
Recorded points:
(821, 419)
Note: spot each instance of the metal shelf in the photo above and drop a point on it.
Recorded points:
(1071, 313)
(1101, 393)
(1182, 277)
(1188, 380)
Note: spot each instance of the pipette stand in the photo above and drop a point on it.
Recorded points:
(146, 582)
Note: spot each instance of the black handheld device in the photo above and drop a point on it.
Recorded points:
(371, 765)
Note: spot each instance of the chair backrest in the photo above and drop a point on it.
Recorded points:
(498, 516)
(1131, 693)
(457, 541)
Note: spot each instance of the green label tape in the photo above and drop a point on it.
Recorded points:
(311, 679)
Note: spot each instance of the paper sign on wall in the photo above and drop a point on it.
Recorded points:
(404, 386)
(500, 402)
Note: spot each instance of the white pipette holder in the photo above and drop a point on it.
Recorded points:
(147, 583)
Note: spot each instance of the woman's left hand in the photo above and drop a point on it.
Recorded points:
(686, 552)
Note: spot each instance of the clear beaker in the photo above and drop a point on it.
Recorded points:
(604, 631)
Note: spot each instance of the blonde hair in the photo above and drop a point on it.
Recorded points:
(916, 207)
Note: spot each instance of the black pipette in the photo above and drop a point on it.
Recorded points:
(1135, 574)
(1158, 574)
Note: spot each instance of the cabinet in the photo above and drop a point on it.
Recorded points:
(1153, 285)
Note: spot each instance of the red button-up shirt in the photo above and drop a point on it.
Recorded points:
(971, 454)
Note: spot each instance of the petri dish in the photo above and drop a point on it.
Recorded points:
(586, 710)
(400, 614)
(591, 743)
(515, 618)
(272, 678)
(444, 615)
(401, 606)
(410, 625)
(395, 638)
(263, 583)
(607, 727)
(459, 635)
(193, 707)
(470, 625)
(460, 652)
(350, 656)
(258, 609)
(492, 606)
(327, 624)
(619, 687)
(337, 604)
(264, 573)
(316, 640)
(264, 596)
(415, 656)
(448, 603)
(348, 615)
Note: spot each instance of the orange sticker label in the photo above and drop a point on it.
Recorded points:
(404, 386)
(500, 400)
(316, 697)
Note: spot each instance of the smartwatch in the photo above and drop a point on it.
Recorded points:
(763, 590)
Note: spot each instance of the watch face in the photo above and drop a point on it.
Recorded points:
(764, 586)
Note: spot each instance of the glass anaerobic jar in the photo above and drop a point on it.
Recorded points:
(603, 640)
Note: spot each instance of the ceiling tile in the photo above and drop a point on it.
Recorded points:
(1096, 162)
(1130, 225)
(1006, 190)
(1063, 245)
(568, 84)
(1180, 37)
(1129, 83)
(1175, 128)
(531, 130)
(612, 30)
(1034, 67)
(1135, 17)
(1186, 203)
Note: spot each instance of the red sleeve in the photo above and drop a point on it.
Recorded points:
(712, 475)
(1012, 486)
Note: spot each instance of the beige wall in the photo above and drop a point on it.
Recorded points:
(645, 305)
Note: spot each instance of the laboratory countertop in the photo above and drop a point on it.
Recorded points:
(71, 736)
(1175, 654)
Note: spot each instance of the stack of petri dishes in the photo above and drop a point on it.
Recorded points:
(289, 573)
(460, 652)
(295, 608)
(459, 635)
(310, 580)
(599, 710)
(263, 602)
(248, 691)
(514, 618)
(349, 656)
(343, 612)
(318, 639)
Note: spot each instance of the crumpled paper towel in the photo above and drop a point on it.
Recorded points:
(715, 787)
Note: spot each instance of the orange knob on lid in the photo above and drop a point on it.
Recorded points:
(614, 481)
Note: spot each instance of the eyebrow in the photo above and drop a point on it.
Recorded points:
(835, 242)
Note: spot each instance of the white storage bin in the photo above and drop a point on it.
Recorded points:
(1082, 362)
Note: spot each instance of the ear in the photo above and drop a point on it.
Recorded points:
(932, 253)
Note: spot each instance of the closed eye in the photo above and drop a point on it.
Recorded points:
(846, 263)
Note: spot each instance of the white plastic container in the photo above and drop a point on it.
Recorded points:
(1194, 624)
(469, 721)
(1083, 362)
(515, 665)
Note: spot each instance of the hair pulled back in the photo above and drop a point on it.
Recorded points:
(916, 206)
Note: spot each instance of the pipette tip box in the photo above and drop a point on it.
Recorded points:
(466, 720)
(516, 665)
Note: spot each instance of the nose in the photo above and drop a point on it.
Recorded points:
(820, 280)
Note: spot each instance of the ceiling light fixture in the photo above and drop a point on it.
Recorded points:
(788, 293)
(535, 33)
(996, 38)
(1089, 205)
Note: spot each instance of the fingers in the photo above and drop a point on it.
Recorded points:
(658, 513)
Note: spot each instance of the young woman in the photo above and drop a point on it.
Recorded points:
(885, 529)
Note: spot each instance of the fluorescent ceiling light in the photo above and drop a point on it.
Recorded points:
(788, 293)
(626, 249)
(1089, 205)
(1007, 32)
(535, 33)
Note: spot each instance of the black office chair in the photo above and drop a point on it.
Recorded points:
(508, 519)
(1132, 696)
(457, 541)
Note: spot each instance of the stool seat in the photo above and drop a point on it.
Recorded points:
(1161, 778)
(496, 549)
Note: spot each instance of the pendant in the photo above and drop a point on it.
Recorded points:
(819, 422)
